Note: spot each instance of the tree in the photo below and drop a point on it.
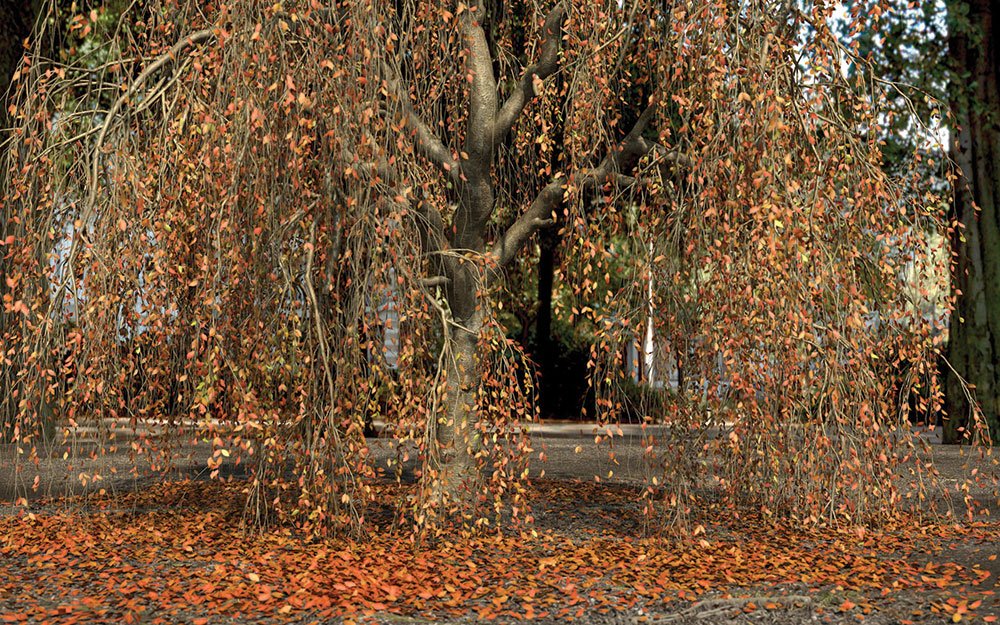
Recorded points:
(242, 190)
(975, 324)
(16, 19)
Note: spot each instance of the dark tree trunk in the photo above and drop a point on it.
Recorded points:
(974, 344)
(548, 247)
(16, 19)
(545, 356)
(548, 242)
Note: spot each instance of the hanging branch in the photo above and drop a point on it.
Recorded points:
(547, 64)
(624, 158)
(196, 38)
(427, 144)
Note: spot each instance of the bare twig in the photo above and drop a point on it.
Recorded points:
(719, 607)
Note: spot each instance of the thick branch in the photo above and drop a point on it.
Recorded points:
(538, 215)
(633, 148)
(430, 283)
(429, 146)
(482, 93)
(427, 143)
(434, 243)
(548, 63)
(614, 167)
(431, 226)
(675, 158)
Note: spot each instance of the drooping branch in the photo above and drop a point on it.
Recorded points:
(195, 38)
(547, 64)
(616, 166)
(426, 143)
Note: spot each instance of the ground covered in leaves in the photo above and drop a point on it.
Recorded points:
(177, 552)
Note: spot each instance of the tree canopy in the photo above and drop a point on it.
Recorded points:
(219, 213)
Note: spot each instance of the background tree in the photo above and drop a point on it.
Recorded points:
(974, 95)
(16, 28)
(938, 57)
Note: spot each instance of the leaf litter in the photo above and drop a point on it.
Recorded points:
(179, 552)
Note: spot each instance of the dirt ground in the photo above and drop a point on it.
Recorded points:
(562, 507)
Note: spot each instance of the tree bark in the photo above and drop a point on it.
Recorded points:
(464, 261)
(457, 438)
(974, 333)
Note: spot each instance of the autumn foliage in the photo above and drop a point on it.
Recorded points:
(217, 215)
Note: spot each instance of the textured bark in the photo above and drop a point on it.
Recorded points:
(456, 441)
(974, 345)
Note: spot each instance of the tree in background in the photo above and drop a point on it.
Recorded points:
(974, 96)
(941, 56)
(16, 28)
(16, 20)
(214, 206)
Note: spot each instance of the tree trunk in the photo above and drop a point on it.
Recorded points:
(457, 437)
(548, 246)
(974, 343)
(452, 459)
(548, 242)
(16, 19)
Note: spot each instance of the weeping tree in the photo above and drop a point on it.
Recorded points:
(267, 225)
